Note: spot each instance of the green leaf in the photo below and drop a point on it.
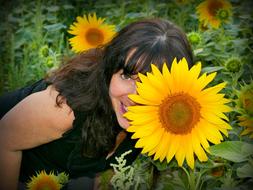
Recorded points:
(245, 171)
(54, 27)
(235, 151)
(161, 166)
(53, 8)
(211, 69)
(197, 51)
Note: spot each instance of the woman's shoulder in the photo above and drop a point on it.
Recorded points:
(38, 118)
(11, 98)
(62, 116)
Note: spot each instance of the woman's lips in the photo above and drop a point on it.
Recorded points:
(123, 108)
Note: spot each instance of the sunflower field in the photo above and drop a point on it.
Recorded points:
(213, 152)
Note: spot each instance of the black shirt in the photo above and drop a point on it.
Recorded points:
(64, 154)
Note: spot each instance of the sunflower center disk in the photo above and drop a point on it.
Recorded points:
(179, 113)
(214, 6)
(46, 184)
(94, 37)
(46, 187)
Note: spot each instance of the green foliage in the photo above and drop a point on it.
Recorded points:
(34, 40)
(28, 29)
(246, 170)
(104, 180)
(235, 151)
(124, 175)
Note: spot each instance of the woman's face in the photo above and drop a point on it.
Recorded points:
(121, 86)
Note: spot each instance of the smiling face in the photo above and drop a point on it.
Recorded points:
(121, 86)
(133, 49)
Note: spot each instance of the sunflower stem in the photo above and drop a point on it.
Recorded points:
(191, 179)
(199, 182)
(194, 181)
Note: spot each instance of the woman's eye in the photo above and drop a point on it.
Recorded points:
(125, 76)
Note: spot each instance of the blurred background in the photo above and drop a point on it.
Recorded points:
(34, 40)
(34, 37)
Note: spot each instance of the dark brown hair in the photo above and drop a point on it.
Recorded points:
(84, 81)
(81, 82)
(154, 41)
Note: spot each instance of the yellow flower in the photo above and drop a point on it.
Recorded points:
(44, 181)
(209, 10)
(245, 98)
(175, 115)
(90, 32)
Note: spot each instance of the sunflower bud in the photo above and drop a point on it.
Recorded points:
(223, 15)
(194, 37)
(49, 62)
(44, 51)
(233, 64)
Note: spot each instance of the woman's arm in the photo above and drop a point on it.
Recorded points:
(34, 121)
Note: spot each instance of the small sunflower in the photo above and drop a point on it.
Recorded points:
(246, 122)
(213, 12)
(244, 105)
(175, 115)
(245, 96)
(90, 32)
(44, 181)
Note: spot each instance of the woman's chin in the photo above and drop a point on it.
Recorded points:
(124, 123)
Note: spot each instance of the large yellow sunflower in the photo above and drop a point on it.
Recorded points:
(90, 32)
(213, 12)
(175, 115)
(44, 181)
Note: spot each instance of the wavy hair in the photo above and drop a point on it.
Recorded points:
(81, 83)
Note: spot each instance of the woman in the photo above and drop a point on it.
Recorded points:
(70, 120)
